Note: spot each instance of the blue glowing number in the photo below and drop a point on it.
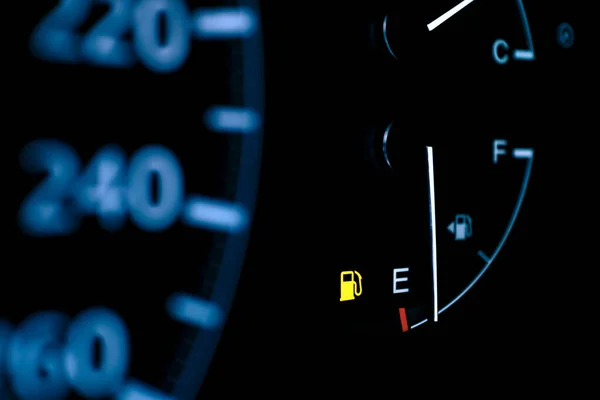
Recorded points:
(43, 212)
(104, 44)
(148, 162)
(104, 189)
(34, 357)
(99, 190)
(103, 328)
(56, 38)
(170, 55)
(41, 366)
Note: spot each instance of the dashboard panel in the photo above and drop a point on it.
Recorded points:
(498, 132)
(288, 308)
(221, 191)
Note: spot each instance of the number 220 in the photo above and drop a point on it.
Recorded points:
(56, 38)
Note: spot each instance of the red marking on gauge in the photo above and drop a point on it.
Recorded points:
(403, 319)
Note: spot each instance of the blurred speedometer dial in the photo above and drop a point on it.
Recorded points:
(137, 164)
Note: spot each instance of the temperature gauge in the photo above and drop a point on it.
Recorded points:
(458, 32)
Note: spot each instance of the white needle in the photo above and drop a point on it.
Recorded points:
(433, 232)
(448, 14)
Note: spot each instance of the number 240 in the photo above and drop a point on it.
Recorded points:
(56, 38)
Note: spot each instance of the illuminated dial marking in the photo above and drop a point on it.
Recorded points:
(216, 215)
(226, 119)
(194, 311)
(224, 23)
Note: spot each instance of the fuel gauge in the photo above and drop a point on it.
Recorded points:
(474, 195)
(431, 223)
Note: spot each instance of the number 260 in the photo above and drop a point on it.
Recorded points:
(56, 38)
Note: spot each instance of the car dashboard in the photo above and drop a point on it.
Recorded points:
(219, 191)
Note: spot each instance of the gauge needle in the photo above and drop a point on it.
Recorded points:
(433, 232)
(449, 14)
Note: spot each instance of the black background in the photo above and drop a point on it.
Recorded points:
(320, 70)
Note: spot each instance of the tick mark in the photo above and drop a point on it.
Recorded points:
(403, 319)
(483, 256)
(235, 120)
(224, 23)
(216, 215)
(523, 153)
(194, 311)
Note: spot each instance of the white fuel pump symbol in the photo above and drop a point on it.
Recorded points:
(461, 227)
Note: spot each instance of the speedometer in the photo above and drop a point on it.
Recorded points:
(137, 159)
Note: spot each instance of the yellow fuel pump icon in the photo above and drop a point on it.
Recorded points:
(349, 289)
